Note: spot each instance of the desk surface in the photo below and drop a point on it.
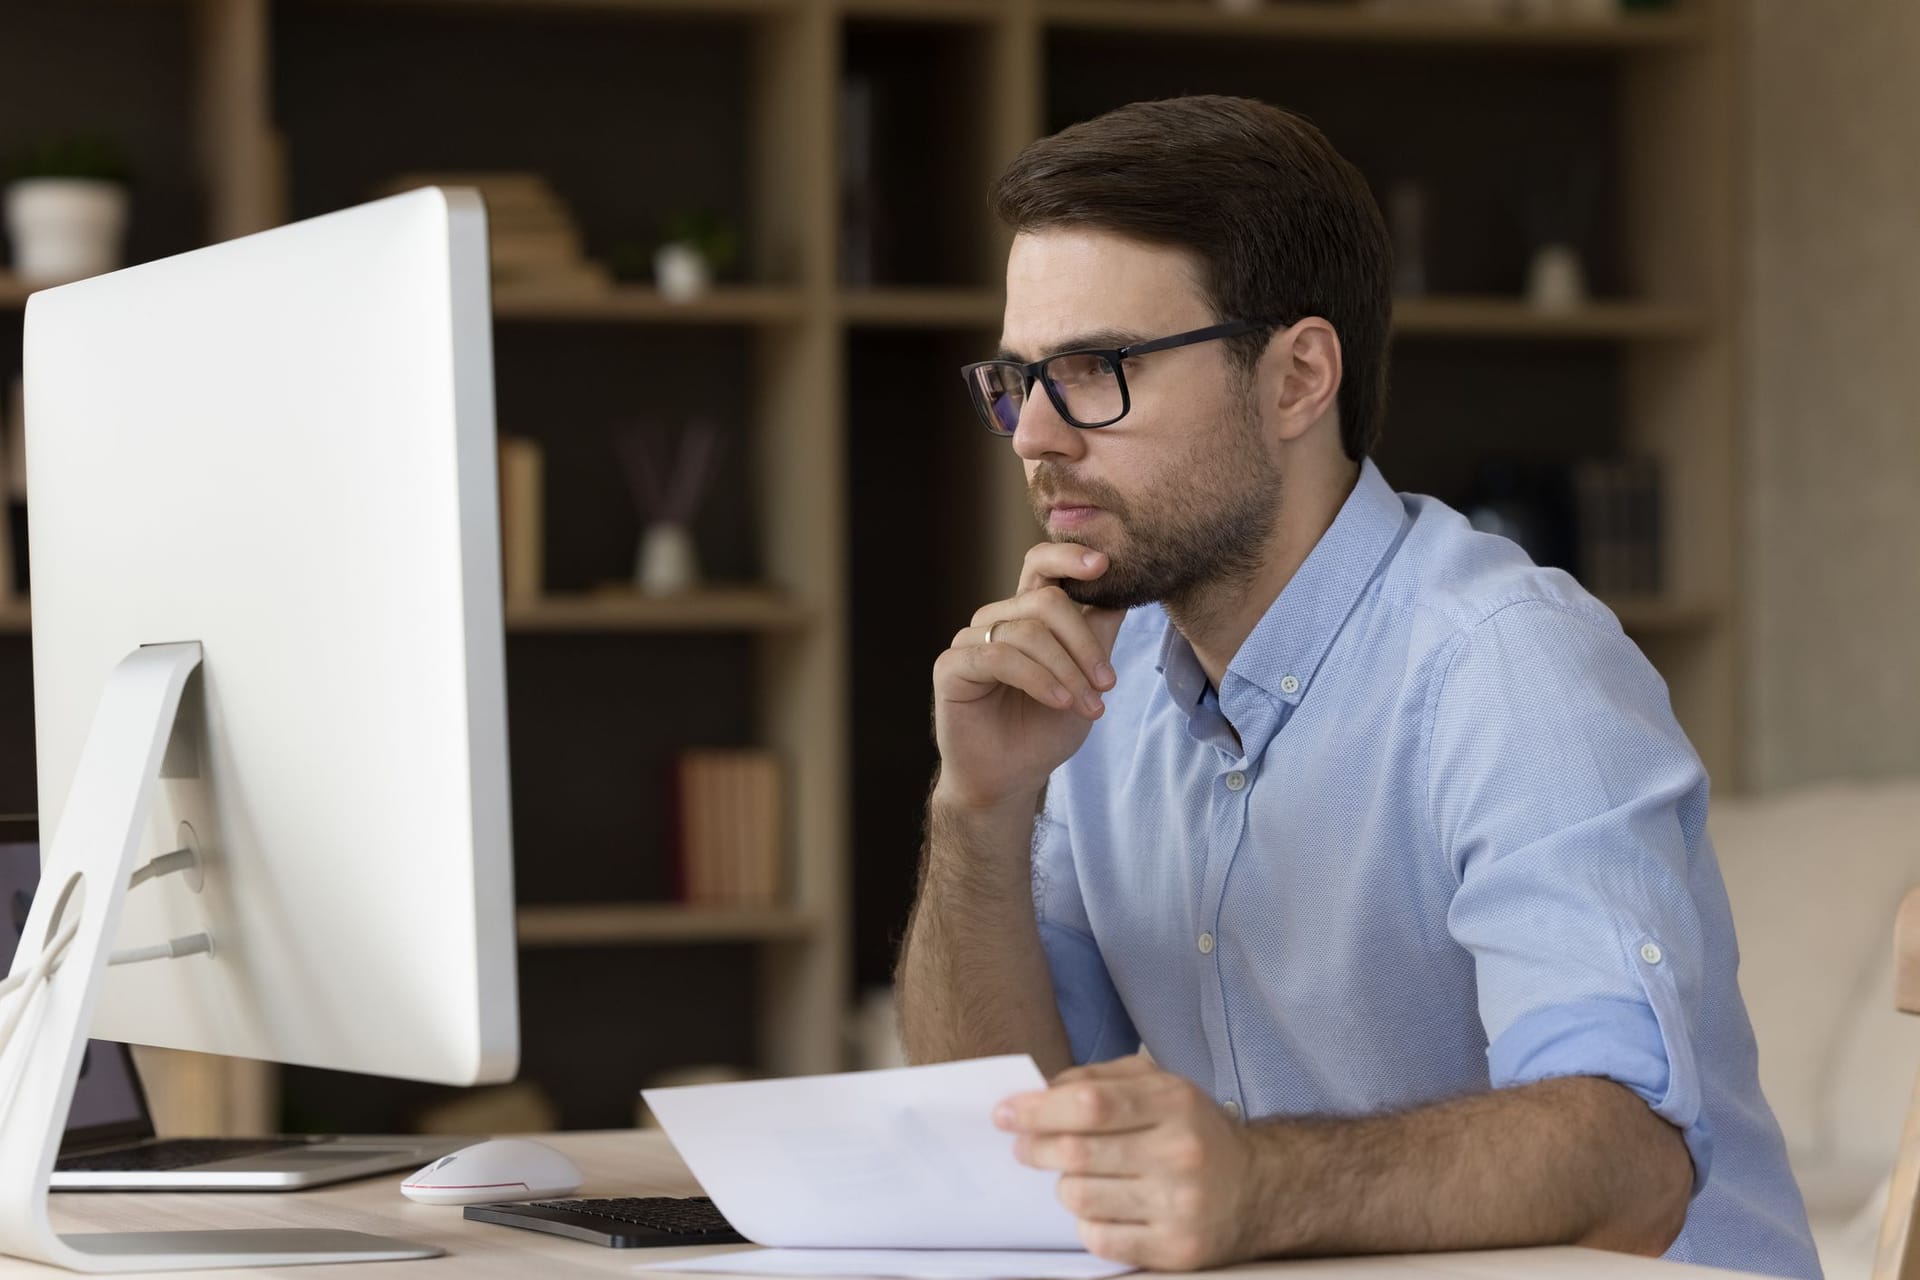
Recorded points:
(637, 1163)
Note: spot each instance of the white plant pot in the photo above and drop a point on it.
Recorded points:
(1556, 281)
(668, 562)
(65, 228)
(682, 272)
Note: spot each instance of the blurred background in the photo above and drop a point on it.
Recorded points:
(1658, 266)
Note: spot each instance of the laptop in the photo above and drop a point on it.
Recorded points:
(110, 1143)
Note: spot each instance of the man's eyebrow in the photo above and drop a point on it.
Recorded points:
(1096, 339)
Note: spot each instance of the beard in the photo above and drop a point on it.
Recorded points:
(1203, 527)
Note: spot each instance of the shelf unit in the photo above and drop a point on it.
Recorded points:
(876, 512)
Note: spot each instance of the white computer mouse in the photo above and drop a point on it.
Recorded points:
(502, 1169)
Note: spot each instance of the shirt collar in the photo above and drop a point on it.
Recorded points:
(1286, 646)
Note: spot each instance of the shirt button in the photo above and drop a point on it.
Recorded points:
(1650, 953)
(1206, 944)
(1236, 781)
(1289, 684)
(1232, 1109)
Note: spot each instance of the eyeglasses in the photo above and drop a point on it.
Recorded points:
(1088, 387)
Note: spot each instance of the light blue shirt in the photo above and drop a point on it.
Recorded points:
(1459, 844)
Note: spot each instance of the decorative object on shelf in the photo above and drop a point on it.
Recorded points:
(859, 188)
(6, 512)
(697, 246)
(67, 211)
(728, 806)
(1559, 212)
(522, 520)
(1407, 224)
(1617, 523)
(669, 475)
(1556, 279)
(13, 492)
(533, 240)
(1524, 500)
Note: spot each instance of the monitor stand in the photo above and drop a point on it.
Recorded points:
(86, 871)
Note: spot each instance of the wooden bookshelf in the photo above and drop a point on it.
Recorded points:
(1655, 616)
(711, 609)
(830, 383)
(639, 924)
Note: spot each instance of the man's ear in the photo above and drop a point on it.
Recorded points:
(1300, 376)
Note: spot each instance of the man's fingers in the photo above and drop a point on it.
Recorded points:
(1134, 1064)
(1036, 639)
(1103, 1199)
(972, 672)
(1065, 619)
(1049, 562)
(1083, 1153)
(1084, 1106)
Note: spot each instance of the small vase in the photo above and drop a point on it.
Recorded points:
(65, 228)
(667, 562)
(1556, 281)
(681, 272)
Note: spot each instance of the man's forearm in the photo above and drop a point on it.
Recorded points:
(1573, 1161)
(972, 979)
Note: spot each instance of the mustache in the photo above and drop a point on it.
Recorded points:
(1050, 485)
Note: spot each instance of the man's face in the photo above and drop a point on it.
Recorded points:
(1182, 493)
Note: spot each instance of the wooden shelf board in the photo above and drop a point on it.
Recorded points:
(729, 304)
(620, 924)
(716, 609)
(1359, 24)
(698, 8)
(1657, 616)
(928, 308)
(1494, 317)
(925, 10)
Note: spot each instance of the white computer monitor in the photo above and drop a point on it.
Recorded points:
(262, 481)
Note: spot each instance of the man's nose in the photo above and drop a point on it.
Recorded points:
(1042, 432)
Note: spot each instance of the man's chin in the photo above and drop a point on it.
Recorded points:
(1100, 594)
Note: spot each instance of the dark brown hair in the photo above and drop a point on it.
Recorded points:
(1282, 225)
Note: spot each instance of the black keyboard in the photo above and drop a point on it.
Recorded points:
(172, 1153)
(627, 1223)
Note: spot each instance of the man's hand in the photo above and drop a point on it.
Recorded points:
(1157, 1173)
(1015, 694)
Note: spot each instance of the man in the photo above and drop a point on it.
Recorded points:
(1381, 841)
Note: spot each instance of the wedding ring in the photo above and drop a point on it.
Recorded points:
(990, 627)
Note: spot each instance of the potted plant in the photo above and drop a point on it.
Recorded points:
(697, 247)
(66, 210)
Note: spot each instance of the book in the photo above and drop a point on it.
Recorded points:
(522, 520)
(728, 809)
(1618, 526)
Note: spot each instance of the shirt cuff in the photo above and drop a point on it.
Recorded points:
(1624, 1041)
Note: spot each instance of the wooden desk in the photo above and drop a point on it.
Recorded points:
(635, 1163)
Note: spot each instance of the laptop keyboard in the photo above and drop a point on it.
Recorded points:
(173, 1153)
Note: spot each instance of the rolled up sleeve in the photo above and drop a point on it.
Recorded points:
(1570, 807)
(1097, 1024)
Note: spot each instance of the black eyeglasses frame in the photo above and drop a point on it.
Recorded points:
(1115, 357)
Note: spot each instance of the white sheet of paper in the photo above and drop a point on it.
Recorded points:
(907, 1264)
(900, 1159)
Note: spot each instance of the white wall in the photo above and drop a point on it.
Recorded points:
(1832, 560)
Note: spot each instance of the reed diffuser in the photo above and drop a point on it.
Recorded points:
(669, 474)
